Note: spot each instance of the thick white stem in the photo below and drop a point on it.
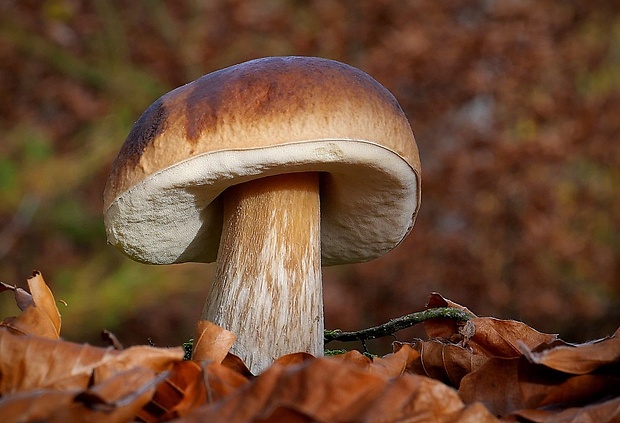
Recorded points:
(268, 288)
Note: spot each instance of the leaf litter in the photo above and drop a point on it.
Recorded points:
(482, 370)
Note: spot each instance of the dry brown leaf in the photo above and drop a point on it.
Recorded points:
(578, 359)
(53, 380)
(490, 363)
(473, 413)
(443, 361)
(45, 301)
(354, 358)
(397, 363)
(416, 399)
(507, 385)
(189, 386)
(235, 363)
(117, 399)
(437, 300)
(432, 361)
(211, 342)
(442, 328)
(335, 390)
(488, 336)
(156, 359)
(504, 338)
(498, 385)
(40, 317)
(183, 390)
(390, 365)
(28, 363)
(456, 349)
(36, 405)
(221, 381)
(294, 358)
(582, 389)
(44, 378)
(603, 412)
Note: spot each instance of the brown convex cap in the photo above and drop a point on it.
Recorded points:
(261, 118)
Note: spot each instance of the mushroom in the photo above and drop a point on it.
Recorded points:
(271, 168)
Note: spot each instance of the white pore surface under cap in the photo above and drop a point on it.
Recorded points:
(369, 197)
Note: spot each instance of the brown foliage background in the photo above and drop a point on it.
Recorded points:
(515, 107)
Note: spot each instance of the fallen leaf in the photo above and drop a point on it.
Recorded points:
(294, 358)
(505, 385)
(500, 367)
(603, 412)
(117, 399)
(578, 359)
(437, 300)
(504, 338)
(335, 390)
(390, 365)
(443, 361)
(211, 342)
(581, 390)
(36, 405)
(486, 335)
(442, 328)
(40, 317)
(498, 385)
(397, 363)
(154, 358)
(235, 363)
(28, 362)
(508, 366)
(182, 390)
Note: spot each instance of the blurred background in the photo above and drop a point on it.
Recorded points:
(515, 106)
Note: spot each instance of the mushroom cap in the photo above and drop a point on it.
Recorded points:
(260, 118)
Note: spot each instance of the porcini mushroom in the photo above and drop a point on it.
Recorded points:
(271, 168)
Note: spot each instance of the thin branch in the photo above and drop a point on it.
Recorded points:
(394, 325)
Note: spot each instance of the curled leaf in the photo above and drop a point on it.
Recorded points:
(577, 359)
(40, 316)
(182, 390)
(211, 342)
(337, 390)
(28, 363)
(117, 399)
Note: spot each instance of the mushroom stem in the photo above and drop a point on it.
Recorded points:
(268, 288)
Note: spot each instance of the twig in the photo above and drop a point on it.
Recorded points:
(394, 325)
